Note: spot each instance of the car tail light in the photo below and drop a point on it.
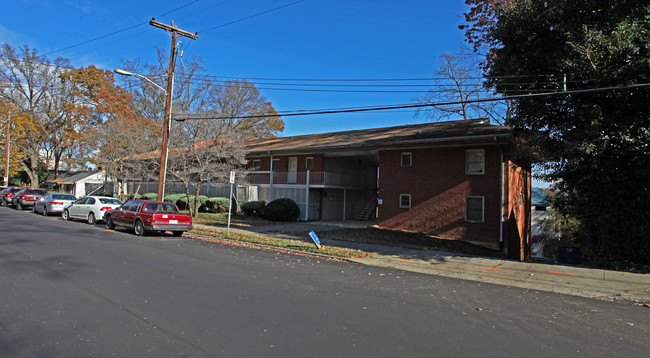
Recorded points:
(10, 195)
(56, 203)
(105, 208)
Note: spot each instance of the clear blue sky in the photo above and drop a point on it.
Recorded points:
(272, 39)
(312, 39)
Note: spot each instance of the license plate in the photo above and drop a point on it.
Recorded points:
(173, 222)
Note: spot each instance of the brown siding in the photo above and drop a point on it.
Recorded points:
(438, 186)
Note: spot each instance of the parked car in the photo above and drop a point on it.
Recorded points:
(53, 203)
(90, 208)
(27, 197)
(7, 194)
(148, 215)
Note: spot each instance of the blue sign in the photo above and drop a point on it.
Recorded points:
(315, 238)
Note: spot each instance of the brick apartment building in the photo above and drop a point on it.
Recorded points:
(455, 180)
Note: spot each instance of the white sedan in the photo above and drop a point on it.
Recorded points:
(90, 208)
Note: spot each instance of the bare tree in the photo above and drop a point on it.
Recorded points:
(32, 83)
(458, 82)
(204, 150)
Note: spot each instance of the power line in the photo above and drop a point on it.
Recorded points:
(118, 31)
(252, 16)
(481, 100)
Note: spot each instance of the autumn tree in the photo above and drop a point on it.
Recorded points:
(595, 142)
(114, 133)
(11, 125)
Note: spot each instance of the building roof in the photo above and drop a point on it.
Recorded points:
(73, 177)
(475, 131)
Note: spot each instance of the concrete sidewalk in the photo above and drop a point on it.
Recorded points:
(570, 280)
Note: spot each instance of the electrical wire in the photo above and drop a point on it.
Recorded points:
(481, 100)
(251, 16)
(118, 31)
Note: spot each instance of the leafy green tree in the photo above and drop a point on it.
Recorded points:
(598, 141)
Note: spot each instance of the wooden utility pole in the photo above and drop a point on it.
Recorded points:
(7, 151)
(168, 103)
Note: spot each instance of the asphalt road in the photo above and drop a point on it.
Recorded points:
(71, 289)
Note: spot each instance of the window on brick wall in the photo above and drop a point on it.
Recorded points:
(309, 163)
(276, 165)
(475, 161)
(405, 201)
(474, 208)
(257, 164)
(406, 159)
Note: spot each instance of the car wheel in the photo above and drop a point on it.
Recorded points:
(45, 213)
(138, 228)
(109, 223)
(91, 218)
(66, 215)
(177, 233)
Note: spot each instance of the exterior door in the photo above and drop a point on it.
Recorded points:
(292, 176)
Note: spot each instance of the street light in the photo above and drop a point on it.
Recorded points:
(162, 177)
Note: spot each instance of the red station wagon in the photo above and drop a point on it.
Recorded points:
(148, 215)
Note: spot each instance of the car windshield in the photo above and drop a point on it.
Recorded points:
(110, 201)
(161, 207)
(36, 192)
(63, 197)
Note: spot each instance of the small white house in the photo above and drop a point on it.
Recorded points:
(81, 183)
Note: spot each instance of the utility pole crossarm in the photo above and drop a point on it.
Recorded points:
(173, 28)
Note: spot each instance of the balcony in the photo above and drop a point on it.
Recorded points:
(313, 179)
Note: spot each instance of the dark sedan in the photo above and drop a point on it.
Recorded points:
(27, 197)
(7, 194)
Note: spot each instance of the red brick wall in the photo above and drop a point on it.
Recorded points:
(438, 186)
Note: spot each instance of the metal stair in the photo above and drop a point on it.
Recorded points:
(368, 209)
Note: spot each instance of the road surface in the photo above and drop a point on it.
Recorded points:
(72, 289)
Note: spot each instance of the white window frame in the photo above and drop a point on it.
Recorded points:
(400, 201)
(401, 159)
(467, 199)
(307, 160)
(469, 154)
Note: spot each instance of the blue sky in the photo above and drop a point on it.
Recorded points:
(311, 39)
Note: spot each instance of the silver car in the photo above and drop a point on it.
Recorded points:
(90, 208)
(53, 203)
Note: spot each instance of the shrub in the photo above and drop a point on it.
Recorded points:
(253, 208)
(173, 197)
(282, 209)
(182, 202)
(134, 196)
(150, 196)
(217, 205)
